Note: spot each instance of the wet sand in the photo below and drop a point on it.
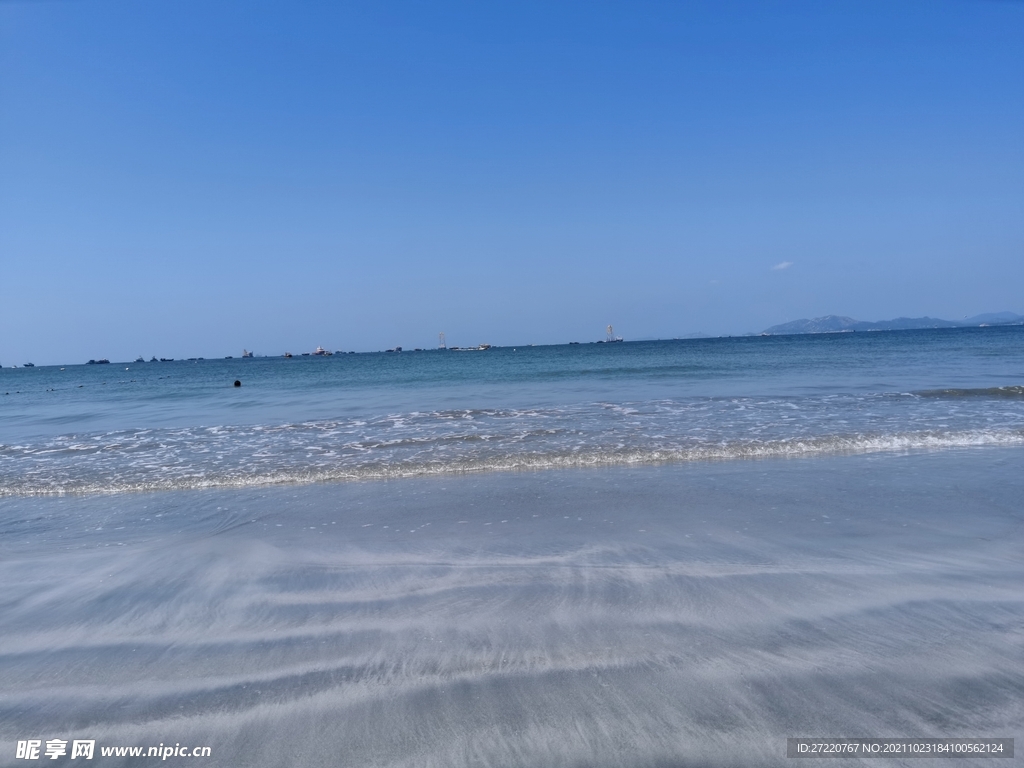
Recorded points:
(675, 615)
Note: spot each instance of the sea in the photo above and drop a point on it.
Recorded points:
(669, 553)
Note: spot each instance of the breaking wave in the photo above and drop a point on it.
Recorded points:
(495, 440)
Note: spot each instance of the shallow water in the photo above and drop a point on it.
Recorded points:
(164, 426)
(686, 614)
(356, 560)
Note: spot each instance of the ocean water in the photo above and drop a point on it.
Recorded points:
(176, 425)
(637, 554)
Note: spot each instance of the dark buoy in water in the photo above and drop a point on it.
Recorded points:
(238, 383)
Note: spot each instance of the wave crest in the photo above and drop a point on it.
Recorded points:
(145, 477)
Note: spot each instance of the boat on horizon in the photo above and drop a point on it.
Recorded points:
(321, 352)
(28, 365)
(246, 353)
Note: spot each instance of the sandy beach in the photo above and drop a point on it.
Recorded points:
(677, 615)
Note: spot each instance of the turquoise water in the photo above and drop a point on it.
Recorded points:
(148, 426)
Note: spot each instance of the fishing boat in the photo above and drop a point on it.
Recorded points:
(246, 353)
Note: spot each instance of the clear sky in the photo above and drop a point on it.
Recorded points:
(192, 177)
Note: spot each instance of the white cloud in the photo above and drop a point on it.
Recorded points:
(783, 265)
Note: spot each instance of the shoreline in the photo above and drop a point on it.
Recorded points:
(805, 447)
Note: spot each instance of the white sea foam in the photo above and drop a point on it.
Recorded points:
(159, 471)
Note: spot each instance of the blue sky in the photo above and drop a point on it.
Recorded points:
(190, 178)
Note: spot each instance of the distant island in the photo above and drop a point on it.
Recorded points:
(839, 324)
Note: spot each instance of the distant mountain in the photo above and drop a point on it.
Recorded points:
(840, 324)
(827, 324)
